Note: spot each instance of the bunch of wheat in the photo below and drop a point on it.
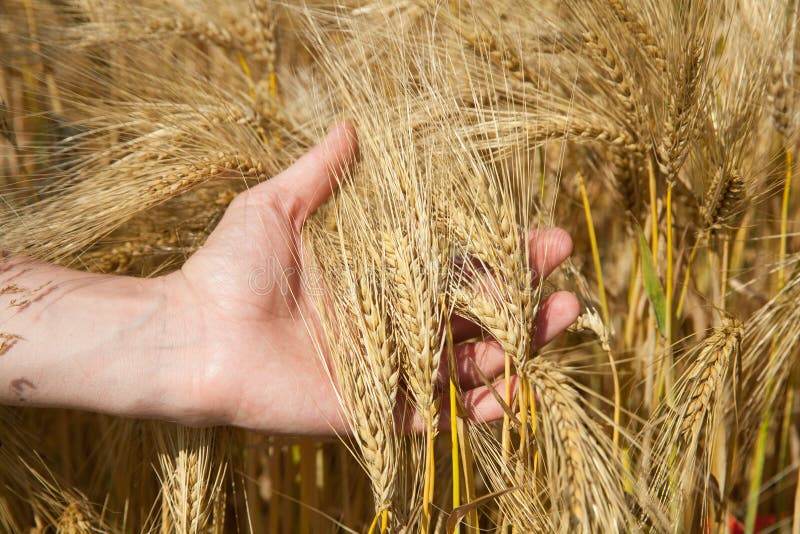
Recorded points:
(660, 134)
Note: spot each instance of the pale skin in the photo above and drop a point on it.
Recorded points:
(200, 346)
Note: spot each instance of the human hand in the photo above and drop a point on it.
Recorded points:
(244, 295)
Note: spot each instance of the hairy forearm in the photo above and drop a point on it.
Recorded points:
(86, 341)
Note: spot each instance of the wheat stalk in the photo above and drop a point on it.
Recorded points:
(582, 478)
(709, 388)
(189, 480)
(723, 199)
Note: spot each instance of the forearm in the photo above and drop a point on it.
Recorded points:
(86, 341)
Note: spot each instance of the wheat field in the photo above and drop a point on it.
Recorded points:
(660, 134)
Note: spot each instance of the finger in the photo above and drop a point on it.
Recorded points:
(480, 406)
(549, 247)
(487, 357)
(556, 313)
(312, 178)
(473, 359)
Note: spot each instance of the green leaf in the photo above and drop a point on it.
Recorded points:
(652, 284)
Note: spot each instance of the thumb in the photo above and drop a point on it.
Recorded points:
(312, 178)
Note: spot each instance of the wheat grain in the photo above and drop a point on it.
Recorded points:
(370, 383)
(640, 30)
(418, 322)
(73, 522)
(583, 477)
(704, 382)
(616, 73)
(709, 389)
(723, 199)
(189, 481)
(682, 109)
(779, 97)
(6, 130)
(264, 39)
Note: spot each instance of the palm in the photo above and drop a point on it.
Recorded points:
(250, 276)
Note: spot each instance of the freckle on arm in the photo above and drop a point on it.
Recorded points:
(19, 385)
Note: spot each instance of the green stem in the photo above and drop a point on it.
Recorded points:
(757, 472)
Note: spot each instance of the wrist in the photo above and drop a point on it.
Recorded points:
(190, 377)
(137, 342)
